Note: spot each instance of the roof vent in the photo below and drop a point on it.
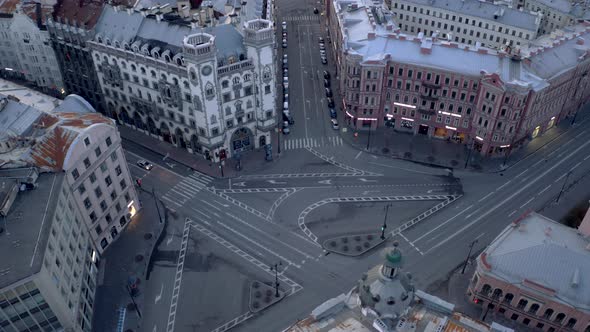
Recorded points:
(575, 282)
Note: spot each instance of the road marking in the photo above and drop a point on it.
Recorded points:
(538, 162)
(512, 213)
(365, 180)
(586, 158)
(504, 185)
(580, 134)
(444, 223)
(329, 181)
(472, 213)
(486, 196)
(411, 243)
(544, 190)
(528, 184)
(559, 178)
(211, 205)
(521, 173)
(239, 184)
(575, 166)
(201, 213)
(178, 276)
(171, 237)
(404, 169)
(275, 182)
(159, 296)
(527, 202)
(358, 155)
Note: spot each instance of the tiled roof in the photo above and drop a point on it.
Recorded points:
(8, 6)
(84, 13)
(29, 8)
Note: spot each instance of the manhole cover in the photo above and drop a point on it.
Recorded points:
(148, 236)
(130, 306)
(138, 258)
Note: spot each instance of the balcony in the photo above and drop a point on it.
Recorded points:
(430, 85)
(426, 111)
(428, 97)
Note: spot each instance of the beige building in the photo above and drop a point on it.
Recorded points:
(467, 21)
(66, 195)
(536, 273)
(557, 14)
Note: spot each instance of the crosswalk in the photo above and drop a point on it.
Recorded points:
(187, 189)
(302, 18)
(302, 143)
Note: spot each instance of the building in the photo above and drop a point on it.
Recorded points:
(209, 90)
(385, 300)
(468, 21)
(70, 26)
(25, 34)
(535, 272)
(66, 194)
(557, 14)
(491, 100)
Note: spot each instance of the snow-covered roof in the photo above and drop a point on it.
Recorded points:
(540, 254)
(485, 10)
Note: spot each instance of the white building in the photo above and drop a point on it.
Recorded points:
(66, 193)
(467, 21)
(28, 50)
(209, 90)
(558, 13)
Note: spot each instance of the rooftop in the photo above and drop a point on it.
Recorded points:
(543, 256)
(26, 230)
(8, 6)
(28, 96)
(485, 10)
(575, 8)
(79, 12)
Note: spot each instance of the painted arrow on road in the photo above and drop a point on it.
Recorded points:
(325, 181)
(159, 296)
(275, 182)
(171, 165)
(370, 191)
(365, 180)
(239, 184)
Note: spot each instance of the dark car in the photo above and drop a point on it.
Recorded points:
(328, 92)
(326, 83)
(326, 75)
(324, 60)
(333, 113)
(288, 117)
(315, 11)
(330, 102)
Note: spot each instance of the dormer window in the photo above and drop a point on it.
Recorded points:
(108, 42)
(232, 59)
(236, 80)
(99, 39)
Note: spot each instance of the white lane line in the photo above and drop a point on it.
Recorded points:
(544, 190)
(525, 178)
(575, 166)
(211, 205)
(411, 243)
(472, 213)
(155, 165)
(521, 173)
(441, 225)
(358, 155)
(486, 196)
(538, 162)
(559, 178)
(180, 193)
(504, 185)
(512, 213)
(527, 202)
(201, 213)
(404, 169)
(524, 187)
(171, 201)
(586, 158)
(580, 134)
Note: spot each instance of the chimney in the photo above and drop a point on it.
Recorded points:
(389, 27)
(370, 35)
(425, 50)
(584, 227)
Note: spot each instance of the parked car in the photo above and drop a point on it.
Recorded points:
(284, 43)
(324, 60)
(284, 24)
(326, 83)
(323, 53)
(286, 98)
(320, 39)
(145, 164)
(288, 117)
(330, 102)
(316, 11)
(285, 57)
(326, 74)
(329, 92)
(286, 129)
(334, 124)
(322, 46)
(333, 113)
(285, 71)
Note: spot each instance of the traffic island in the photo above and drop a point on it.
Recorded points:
(353, 245)
(263, 296)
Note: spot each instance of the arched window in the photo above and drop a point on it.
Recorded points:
(227, 110)
(164, 78)
(142, 70)
(175, 81)
(99, 39)
(548, 313)
(406, 99)
(224, 84)
(388, 96)
(247, 78)
(213, 119)
(522, 304)
(153, 73)
(117, 45)
(508, 298)
(185, 84)
(571, 323)
(209, 90)
(497, 294)
(560, 317)
(193, 74)
(123, 65)
(534, 308)
(396, 97)
(266, 73)
(415, 101)
(249, 104)
(486, 289)
(236, 80)
(442, 106)
(469, 110)
(180, 61)
(133, 68)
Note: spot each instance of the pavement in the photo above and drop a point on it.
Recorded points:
(120, 263)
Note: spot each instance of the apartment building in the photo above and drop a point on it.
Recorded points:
(467, 21)
(534, 273)
(557, 14)
(491, 100)
(66, 194)
(209, 90)
(24, 33)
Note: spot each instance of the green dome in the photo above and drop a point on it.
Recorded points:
(394, 256)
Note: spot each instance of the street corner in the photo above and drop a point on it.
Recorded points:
(263, 295)
(354, 245)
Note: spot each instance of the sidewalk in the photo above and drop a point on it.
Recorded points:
(127, 259)
(196, 162)
(442, 153)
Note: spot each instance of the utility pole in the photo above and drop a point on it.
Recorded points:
(563, 187)
(275, 268)
(468, 255)
(369, 139)
(384, 223)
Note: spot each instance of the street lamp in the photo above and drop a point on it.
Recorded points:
(384, 222)
(468, 255)
(563, 187)
(469, 153)
(275, 268)
(369, 139)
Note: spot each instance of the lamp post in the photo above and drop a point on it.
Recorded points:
(468, 255)
(563, 187)
(275, 268)
(369, 139)
(384, 223)
(469, 153)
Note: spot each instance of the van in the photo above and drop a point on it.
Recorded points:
(286, 106)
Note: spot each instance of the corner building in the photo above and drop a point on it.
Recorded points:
(208, 90)
(490, 100)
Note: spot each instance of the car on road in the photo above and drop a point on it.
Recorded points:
(323, 53)
(285, 56)
(322, 47)
(333, 114)
(330, 102)
(326, 83)
(324, 60)
(145, 164)
(285, 71)
(316, 11)
(320, 40)
(286, 129)
(288, 117)
(328, 92)
(286, 97)
(326, 74)
(334, 124)
(284, 24)
(284, 43)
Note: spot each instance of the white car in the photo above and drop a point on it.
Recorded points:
(284, 25)
(334, 124)
(145, 164)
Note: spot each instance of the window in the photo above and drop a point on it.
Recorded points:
(118, 170)
(123, 184)
(75, 174)
(526, 321)
(87, 203)
(540, 325)
(103, 167)
(103, 205)
(514, 317)
(571, 323)
(109, 141)
(108, 218)
(267, 89)
(114, 156)
(108, 181)
(104, 243)
(118, 207)
(86, 141)
(92, 177)
(98, 192)
(92, 216)
(113, 195)
(87, 163)
(127, 198)
(81, 189)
